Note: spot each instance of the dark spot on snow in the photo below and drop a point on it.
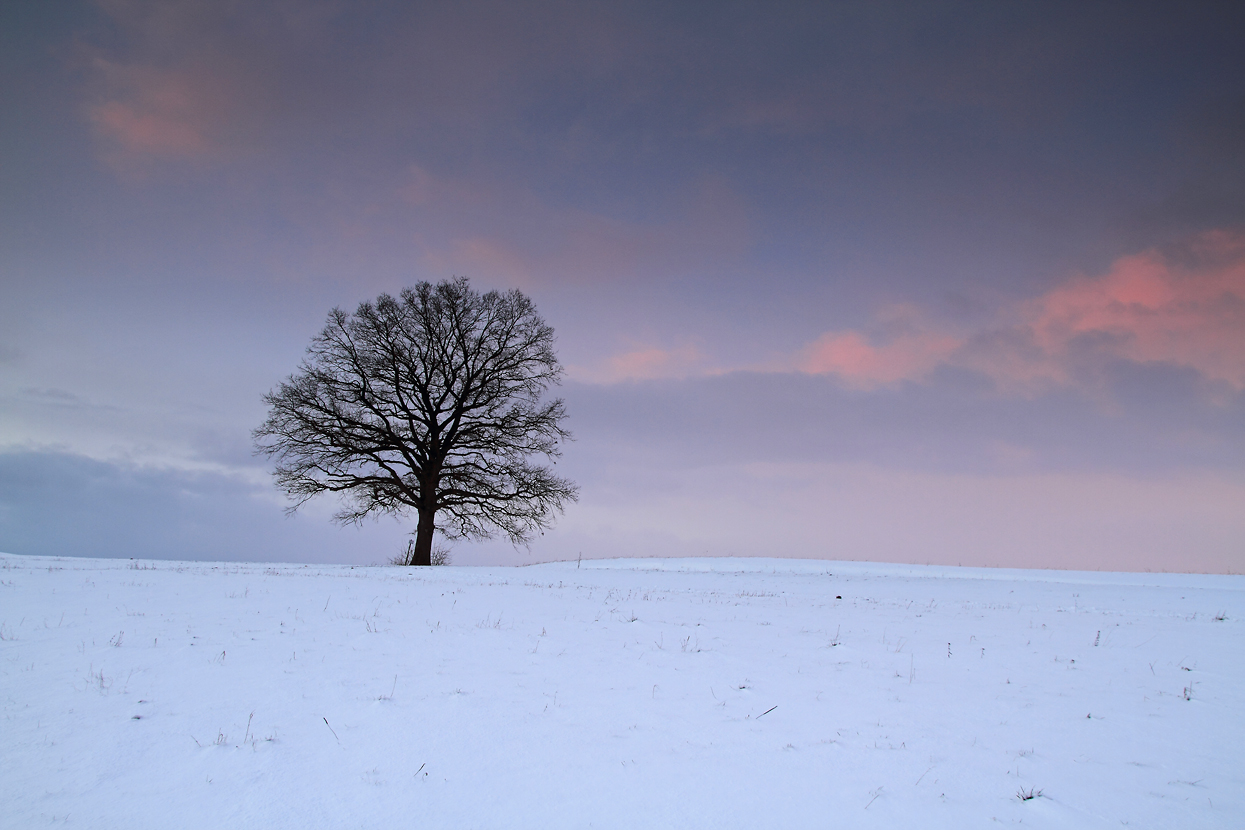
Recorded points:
(838, 597)
(136, 717)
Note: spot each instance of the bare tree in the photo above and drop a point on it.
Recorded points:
(428, 402)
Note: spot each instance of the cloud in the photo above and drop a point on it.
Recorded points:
(190, 80)
(1182, 306)
(646, 363)
(61, 503)
(196, 79)
(852, 356)
(162, 89)
(953, 421)
(151, 112)
(1185, 307)
(503, 231)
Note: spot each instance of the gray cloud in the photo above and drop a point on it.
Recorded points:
(1135, 419)
(61, 504)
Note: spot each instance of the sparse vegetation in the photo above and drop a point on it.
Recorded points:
(441, 555)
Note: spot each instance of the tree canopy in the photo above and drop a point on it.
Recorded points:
(432, 402)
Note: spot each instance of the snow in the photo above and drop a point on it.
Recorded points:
(627, 693)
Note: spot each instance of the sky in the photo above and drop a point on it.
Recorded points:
(956, 283)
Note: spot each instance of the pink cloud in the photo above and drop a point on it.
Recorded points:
(1186, 308)
(154, 114)
(141, 112)
(900, 344)
(482, 255)
(505, 232)
(183, 79)
(1183, 306)
(852, 356)
(646, 363)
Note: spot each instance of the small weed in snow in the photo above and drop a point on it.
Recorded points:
(98, 680)
(1029, 794)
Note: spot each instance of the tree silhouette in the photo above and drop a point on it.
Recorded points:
(431, 402)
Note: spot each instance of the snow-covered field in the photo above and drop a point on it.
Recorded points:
(641, 693)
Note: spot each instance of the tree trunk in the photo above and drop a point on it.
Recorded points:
(423, 538)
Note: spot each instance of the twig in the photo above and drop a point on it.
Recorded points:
(331, 729)
(766, 712)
